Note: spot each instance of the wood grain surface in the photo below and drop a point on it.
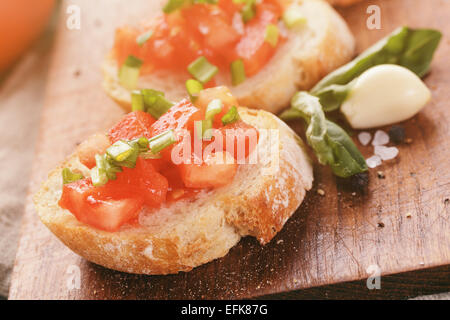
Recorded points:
(330, 241)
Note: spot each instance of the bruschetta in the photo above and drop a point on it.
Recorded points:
(264, 51)
(125, 200)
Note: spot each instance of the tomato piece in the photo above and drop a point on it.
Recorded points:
(134, 125)
(180, 118)
(252, 48)
(216, 171)
(94, 206)
(96, 144)
(222, 93)
(239, 139)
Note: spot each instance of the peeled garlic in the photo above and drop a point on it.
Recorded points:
(383, 95)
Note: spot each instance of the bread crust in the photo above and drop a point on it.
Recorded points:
(187, 234)
(322, 45)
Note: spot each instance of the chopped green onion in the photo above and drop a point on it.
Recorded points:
(129, 72)
(193, 88)
(271, 35)
(293, 17)
(213, 108)
(162, 141)
(231, 116)
(173, 5)
(248, 11)
(137, 101)
(202, 70)
(142, 38)
(206, 129)
(155, 102)
(69, 176)
(111, 169)
(237, 72)
(140, 143)
(119, 151)
(98, 173)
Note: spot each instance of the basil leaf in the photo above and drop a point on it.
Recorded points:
(410, 48)
(330, 143)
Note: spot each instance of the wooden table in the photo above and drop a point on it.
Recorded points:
(326, 248)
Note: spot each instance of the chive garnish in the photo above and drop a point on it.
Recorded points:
(129, 72)
(172, 5)
(202, 70)
(293, 17)
(193, 88)
(271, 35)
(231, 116)
(151, 101)
(237, 72)
(142, 38)
(248, 11)
(162, 141)
(137, 101)
(69, 176)
(119, 151)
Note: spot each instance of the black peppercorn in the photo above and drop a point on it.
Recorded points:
(397, 134)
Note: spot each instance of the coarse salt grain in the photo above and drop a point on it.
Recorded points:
(386, 153)
(364, 137)
(380, 138)
(373, 161)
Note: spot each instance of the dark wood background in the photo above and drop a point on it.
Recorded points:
(325, 248)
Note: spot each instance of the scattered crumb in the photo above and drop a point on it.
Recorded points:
(295, 280)
(353, 193)
(380, 175)
(380, 225)
(280, 241)
(408, 215)
(408, 140)
(321, 192)
(422, 263)
(446, 201)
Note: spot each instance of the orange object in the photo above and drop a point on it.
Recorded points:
(21, 22)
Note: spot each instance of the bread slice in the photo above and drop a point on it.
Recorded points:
(320, 46)
(186, 234)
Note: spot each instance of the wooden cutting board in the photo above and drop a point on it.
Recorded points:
(331, 241)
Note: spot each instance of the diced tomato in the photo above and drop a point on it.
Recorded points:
(255, 52)
(240, 139)
(202, 29)
(216, 171)
(96, 144)
(95, 206)
(222, 93)
(180, 118)
(134, 125)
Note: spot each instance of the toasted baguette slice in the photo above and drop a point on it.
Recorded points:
(320, 46)
(187, 234)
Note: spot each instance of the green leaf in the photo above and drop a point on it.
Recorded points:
(330, 143)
